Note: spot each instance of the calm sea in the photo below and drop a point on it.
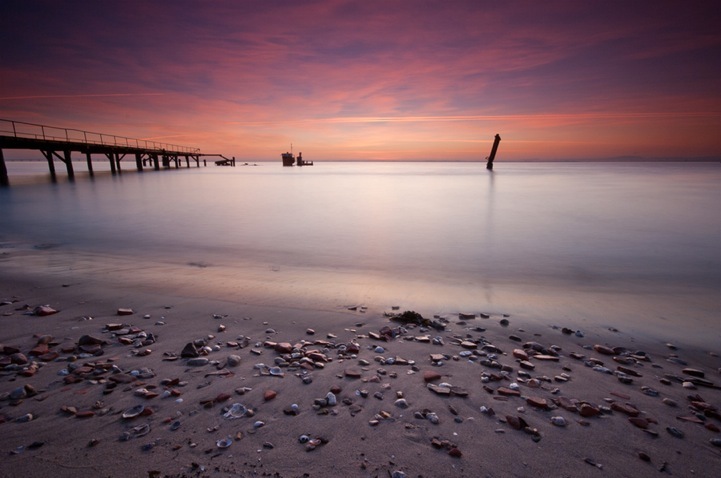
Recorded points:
(630, 244)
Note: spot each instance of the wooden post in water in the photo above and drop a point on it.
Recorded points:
(156, 163)
(90, 163)
(139, 162)
(497, 140)
(49, 156)
(68, 164)
(117, 161)
(4, 180)
(112, 162)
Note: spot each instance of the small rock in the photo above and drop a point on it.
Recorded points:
(269, 395)
(198, 362)
(44, 310)
(559, 421)
(125, 311)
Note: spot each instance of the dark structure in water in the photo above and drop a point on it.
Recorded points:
(290, 160)
(489, 164)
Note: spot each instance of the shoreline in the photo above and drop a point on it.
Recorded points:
(358, 436)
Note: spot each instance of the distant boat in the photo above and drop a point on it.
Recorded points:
(290, 160)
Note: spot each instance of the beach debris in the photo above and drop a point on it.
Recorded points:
(593, 462)
(236, 410)
(125, 311)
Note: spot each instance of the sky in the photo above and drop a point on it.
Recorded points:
(372, 79)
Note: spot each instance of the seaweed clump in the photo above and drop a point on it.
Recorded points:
(413, 317)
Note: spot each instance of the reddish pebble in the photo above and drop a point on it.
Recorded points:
(430, 376)
(269, 395)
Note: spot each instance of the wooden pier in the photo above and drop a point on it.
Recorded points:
(60, 143)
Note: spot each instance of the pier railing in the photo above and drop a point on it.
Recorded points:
(19, 129)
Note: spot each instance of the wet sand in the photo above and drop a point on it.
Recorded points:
(492, 411)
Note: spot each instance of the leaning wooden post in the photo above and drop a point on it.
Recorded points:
(117, 161)
(497, 140)
(4, 180)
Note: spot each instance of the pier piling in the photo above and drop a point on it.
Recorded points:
(90, 163)
(4, 180)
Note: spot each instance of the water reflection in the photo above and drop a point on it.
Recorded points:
(442, 234)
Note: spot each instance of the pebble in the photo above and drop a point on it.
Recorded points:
(198, 362)
(331, 399)
(558, 421)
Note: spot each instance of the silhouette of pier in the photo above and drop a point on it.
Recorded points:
(59, 143)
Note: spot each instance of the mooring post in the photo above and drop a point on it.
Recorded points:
(90, 163)
(497, 140)
(4, 180)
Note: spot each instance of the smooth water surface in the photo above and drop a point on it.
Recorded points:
(651, 232)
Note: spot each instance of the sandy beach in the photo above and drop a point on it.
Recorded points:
(124, 379)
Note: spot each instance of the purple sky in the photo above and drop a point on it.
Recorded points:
(393, 79)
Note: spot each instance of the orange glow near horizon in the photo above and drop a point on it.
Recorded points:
(343, 80)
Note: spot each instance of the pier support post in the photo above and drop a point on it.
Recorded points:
(497, 140)
(117, 161)
(90, 163)
(156, 163)
(51, 165)
(4, 180)
(187, 161)
(139, 162)
(68, 164)
(112, 162)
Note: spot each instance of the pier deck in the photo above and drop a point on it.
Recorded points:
(60, 143)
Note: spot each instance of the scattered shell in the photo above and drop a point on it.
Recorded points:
(133, 412)
(237, 410)
(224, 442)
